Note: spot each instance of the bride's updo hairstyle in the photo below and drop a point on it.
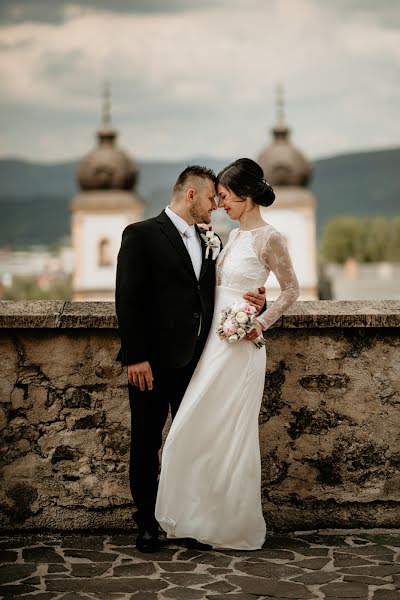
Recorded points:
(246, 178)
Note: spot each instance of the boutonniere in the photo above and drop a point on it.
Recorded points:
(213, 243)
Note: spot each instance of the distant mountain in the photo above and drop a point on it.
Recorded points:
(35, 198)
(362, 184)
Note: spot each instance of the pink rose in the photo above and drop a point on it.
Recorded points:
(249, 309)
(229, 327)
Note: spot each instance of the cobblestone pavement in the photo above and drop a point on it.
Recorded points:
(312, 565)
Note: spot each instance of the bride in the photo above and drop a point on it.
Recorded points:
(210, 481)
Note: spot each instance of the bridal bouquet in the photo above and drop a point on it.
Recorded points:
(235, 321)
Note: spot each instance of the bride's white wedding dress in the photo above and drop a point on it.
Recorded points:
(210, 481)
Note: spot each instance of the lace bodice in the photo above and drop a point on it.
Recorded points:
(246, 262)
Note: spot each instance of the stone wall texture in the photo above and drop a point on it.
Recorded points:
(329, 423)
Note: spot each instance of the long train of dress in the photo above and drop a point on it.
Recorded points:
(210, 481)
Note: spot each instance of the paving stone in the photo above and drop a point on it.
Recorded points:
(109, 585)
(15, 572)
(313, 551)
(219, 586)
(373, 550)
(359, 541)
(269, 587)
(181, 593)
(187, 579)
(40, 596)
(134, 570)
(10, 591)
(347, 560)
(179, 566)
(238, 596)
(384, 559)
(386, 539)
(218, 571)
(373, 570)
(285, 542)
(122, 540)
(91, 555)
(212, 558)
(88, 569)
(118, 596)
(359, 561)
(55, 568)
(31, 580)
(188, 554)
(83, 542)
(345, 590)
(267, 569)
(317, 578)
(162, 554)
(365, 579)
(74, 596)
(7, 556)
(23, 541)
(41, 554)
(325, 540)
(268, 554)
(386, 595)
(311, 563)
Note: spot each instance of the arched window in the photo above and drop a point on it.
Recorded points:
(104, 253)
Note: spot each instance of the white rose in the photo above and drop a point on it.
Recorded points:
(233, 338)
(241, 332)
(241, 317)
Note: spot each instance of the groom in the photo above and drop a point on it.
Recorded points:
(164, 303)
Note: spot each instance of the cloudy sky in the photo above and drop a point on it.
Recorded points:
(194, 78)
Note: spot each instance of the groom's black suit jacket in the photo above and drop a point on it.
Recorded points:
(159, 301)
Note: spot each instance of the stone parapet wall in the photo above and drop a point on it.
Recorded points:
(329, 423)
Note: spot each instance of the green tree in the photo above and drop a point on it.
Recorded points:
(393, 245)
(341, 239)
(26, 288)
(372, 239)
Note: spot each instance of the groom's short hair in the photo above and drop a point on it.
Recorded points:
(194, 171)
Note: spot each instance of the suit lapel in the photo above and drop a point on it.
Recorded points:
(175, 238)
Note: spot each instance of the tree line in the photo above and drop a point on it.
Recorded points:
(368, 239)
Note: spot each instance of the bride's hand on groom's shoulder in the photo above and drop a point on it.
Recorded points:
(140, 375)
(257, 298)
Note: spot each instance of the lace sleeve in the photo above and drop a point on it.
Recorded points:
(276, 257)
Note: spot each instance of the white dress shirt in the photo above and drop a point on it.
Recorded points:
(190, 239)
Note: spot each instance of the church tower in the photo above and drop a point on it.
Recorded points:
(105, 205)
(293, 212)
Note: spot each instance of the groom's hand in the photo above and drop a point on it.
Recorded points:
(256, 299)
(141, 374)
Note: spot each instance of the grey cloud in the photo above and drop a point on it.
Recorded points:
(51, 11)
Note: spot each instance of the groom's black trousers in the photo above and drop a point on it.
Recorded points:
(149, 412)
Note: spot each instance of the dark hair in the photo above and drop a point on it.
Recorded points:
(246, 178)
(194, 171)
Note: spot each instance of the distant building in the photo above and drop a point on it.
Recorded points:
(105, 205)
(39, 263)
(293, 212)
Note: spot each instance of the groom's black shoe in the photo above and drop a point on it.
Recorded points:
(147, 539)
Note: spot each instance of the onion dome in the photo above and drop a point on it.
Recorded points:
(283, 163)
(107, 167)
